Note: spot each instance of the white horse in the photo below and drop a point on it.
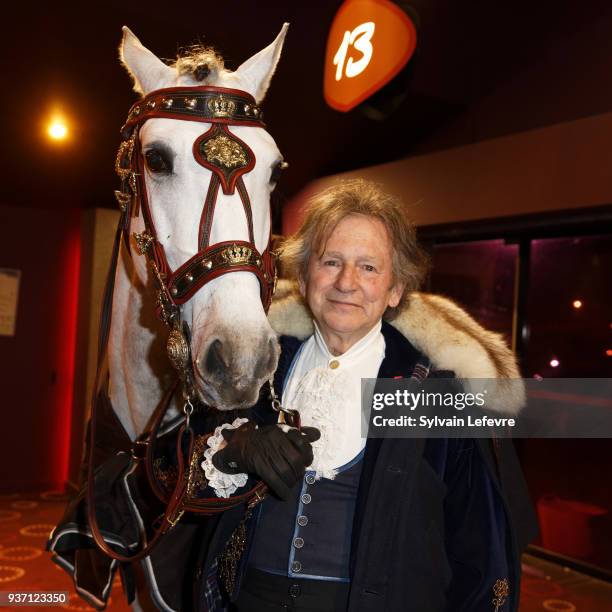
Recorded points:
(234, 349)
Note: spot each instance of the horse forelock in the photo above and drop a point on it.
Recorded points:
(198, 64)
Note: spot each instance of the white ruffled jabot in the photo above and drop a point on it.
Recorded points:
(326, 390)
(319, 398)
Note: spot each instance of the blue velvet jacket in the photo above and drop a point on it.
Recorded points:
(439, 524)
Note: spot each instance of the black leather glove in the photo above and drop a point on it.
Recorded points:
(278, 458)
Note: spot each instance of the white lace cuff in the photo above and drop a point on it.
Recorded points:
(223, 484)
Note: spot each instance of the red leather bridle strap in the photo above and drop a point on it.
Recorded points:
(208, 212)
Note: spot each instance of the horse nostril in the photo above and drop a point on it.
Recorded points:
(273, 355)
(215, 360)
(267, 363)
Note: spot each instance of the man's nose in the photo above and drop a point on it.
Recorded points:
(346, 279)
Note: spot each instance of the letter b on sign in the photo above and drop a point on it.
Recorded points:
(370, 41)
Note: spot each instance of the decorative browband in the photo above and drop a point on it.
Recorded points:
(231, 256)
(207, 104)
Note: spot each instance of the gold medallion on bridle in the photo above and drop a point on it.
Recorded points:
(178, 350)
(224, 151)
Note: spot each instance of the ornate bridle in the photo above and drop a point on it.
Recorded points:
(228, 158)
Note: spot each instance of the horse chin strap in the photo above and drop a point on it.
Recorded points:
(228, 158)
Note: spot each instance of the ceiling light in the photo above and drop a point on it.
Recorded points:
(57, 129)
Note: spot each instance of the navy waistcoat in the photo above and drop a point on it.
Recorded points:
(309, 536)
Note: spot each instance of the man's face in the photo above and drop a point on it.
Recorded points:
(349, 286)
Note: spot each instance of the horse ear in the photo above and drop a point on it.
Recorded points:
(256, 73)
(145, 68)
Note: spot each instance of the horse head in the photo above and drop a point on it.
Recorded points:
(209, 184)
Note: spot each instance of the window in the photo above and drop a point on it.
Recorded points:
(569, 315)
(480, 276)
(552, 299)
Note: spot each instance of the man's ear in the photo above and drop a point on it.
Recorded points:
(396, 293)
(302, 285)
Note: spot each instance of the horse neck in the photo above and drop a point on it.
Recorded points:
(137, 368)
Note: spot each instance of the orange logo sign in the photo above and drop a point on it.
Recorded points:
(370, 41)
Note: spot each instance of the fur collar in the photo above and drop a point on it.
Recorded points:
(439, 328)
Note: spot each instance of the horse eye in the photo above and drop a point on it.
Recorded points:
(158, 162)
(276, 171)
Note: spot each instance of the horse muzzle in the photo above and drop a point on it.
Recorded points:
(230, 370)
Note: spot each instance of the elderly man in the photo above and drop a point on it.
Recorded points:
(372, 524)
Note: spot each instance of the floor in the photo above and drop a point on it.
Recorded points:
(547, 586)
(26, 520)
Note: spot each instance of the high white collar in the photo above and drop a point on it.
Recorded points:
(354, 353)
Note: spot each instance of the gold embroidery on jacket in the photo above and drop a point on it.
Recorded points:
(501, 589)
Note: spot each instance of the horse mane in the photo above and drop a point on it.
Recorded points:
(199, 62)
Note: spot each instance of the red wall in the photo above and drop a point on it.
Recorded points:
(37, 364)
